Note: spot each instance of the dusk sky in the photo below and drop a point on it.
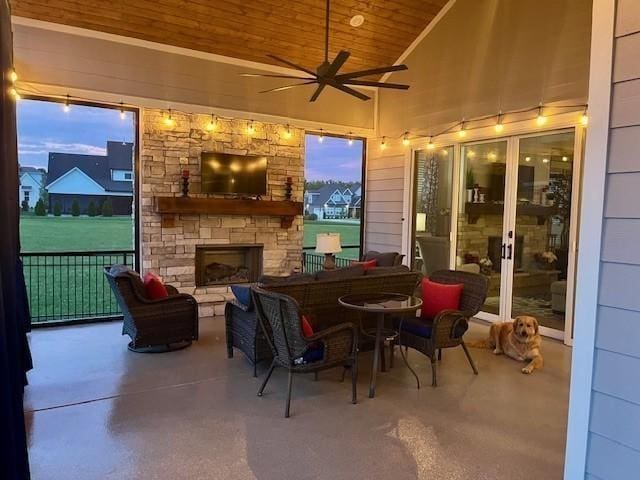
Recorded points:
(333, 159)
(44, 127)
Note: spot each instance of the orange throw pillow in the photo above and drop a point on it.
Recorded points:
(153, 287)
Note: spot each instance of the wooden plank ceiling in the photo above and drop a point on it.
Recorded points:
(249, 29)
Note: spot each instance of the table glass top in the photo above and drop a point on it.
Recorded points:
(381, 301)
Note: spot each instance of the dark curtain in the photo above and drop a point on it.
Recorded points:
(14, 351)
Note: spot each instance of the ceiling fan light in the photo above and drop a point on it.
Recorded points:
(356, 20)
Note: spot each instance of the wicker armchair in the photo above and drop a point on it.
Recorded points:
(154, 325)
(243, 331)
(449, 326)
(280, 318)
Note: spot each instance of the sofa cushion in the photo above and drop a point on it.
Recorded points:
(153, 287)
(385, 259)
(437, 297)
(243, 295)
(341, 273)
(387, 270)
(286, 280)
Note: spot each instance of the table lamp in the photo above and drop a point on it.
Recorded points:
(329, 244)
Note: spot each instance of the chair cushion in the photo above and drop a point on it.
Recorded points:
(367, 265)
(314, 353)
(153, 287)
(341, 273)
(439, 296)
(243, 295)
(418, 326)
(307, 328)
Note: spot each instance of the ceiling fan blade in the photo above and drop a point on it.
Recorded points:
(317, 93)
(273, 76)
(373, 71)
(287, 62)
(287, 87)
(337, 63)
(346, 89)
(398, 86)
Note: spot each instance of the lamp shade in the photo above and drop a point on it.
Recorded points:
(328, 243)
(421, 222)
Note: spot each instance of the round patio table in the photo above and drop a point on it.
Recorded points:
(381, 304)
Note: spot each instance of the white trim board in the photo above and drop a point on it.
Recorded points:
(443, 11)
(590, 228)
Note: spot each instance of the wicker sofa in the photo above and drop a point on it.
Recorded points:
(317, 296)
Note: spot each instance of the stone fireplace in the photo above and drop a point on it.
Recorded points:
(171, 243)
(228, 264)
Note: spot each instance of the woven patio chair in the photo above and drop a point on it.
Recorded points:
(448, 327)
(280, 318)
(154, 326)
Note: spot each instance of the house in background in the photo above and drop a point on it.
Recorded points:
(32, 179)
(334, 200)
(92, 178)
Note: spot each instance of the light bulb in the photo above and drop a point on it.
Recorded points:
(350, 141)
(541, 119)
(13, 76)
(527, 159)
(321, 136)
(499, 126)
(565, 159)
(584, 119)
(250, 128)
(545, 160)
(383, 144)
(430, 145)
(405, 139)
(168, 120)
(212, 123)
(122, 115)
(65, 107)
(14, 93)
(287, 132)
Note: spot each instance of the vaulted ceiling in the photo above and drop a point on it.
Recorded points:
(249, 29)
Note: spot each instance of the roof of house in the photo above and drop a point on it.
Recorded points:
(30, 169)
(323, 195)
(97, 167)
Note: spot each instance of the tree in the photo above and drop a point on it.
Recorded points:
(107, 208)
(91, 209)
(40, 209)
(25, 205)
(57, 209)
(75, 208)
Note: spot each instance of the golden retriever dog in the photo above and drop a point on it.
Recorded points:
(519, 340)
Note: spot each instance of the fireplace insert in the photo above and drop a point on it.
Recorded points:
(226, 264)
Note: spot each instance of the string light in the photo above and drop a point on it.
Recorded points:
(499, 126)
(13, 76)
(540, 119)
(211, 126)
(250, 128)
(321, 136)
(430, 145)
(350, 139)
(66, 107)
(545, 160)
(463, 131)
(405, 139)
(584, 119)
(383, 144)
(565, 159)
(123, 115)
(169, 121)
(287, 132)
(14, 93)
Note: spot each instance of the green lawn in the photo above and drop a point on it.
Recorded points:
(349, 234)
(75, 234)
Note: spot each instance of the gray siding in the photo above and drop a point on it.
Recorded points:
(385, 190)
(614, 440)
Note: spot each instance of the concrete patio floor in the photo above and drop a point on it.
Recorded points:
(97, 411)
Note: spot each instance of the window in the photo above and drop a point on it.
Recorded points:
(121, 175)
(333, 191)
(26, 195)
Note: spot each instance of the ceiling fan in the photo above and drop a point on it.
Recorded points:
(327, 73)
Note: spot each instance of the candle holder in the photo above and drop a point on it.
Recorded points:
(288, 188)
(185, 183)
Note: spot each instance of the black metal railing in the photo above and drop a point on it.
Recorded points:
(313, 262)
(69, 286)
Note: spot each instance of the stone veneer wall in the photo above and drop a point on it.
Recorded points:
(169, 241)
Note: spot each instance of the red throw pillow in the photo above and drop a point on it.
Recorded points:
(153, 287)
(366, 265)
(307, 329)
(439, 296)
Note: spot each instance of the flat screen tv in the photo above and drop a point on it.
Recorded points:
(234, 174)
